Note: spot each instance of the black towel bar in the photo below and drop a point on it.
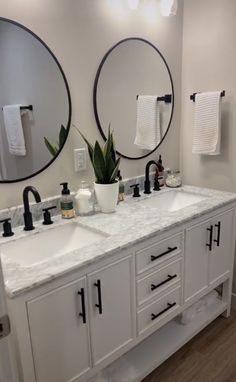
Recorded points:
(29, 107)
(192, 96)
(167, 98)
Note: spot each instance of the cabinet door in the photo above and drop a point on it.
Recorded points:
(8, 370)
(196, 259)
(220, 259)
(59, 334)
(111, 323)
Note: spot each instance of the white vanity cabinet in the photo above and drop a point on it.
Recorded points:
(208, 253)
(125, 306)
(91, 313)
(110, 309)
(58, 324)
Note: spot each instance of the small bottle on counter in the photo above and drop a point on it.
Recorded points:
(121, 195)
(173, 179)
(67, 204)
(160, 174)
(84, 200)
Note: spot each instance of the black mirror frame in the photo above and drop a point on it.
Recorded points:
(95, 88)
(68, 95)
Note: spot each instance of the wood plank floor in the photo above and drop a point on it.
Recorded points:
(209, 357)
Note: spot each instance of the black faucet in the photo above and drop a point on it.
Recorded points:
(147, 185)
(27, 214)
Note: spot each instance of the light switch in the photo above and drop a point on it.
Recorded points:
(80, 159)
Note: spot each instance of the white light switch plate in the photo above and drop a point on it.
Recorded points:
(80, 159)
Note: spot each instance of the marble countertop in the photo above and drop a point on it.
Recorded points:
(132, 222)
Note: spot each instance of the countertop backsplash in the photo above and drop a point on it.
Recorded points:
(16, 212)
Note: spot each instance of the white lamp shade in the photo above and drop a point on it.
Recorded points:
(133, 4)
(169, 7)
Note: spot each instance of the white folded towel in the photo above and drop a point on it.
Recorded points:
(14, 129)
(207, 123)
(211, 297)
(148, 131)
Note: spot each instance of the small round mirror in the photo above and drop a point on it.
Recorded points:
(130, 72)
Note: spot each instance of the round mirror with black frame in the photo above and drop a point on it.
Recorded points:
(35, 104)
(130, 72)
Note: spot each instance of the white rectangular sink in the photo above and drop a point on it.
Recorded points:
(172, 200)
(52, 243)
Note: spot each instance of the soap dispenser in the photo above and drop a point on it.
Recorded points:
(160, 173)
(67, 205)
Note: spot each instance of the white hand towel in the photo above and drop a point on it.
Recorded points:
(148, 131)
(14, 129)
(207, 123)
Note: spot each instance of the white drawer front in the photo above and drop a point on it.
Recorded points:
(159, 310)
(157, 282)
(157, 253)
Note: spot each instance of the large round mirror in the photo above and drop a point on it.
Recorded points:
(35, 104)
(134, 94)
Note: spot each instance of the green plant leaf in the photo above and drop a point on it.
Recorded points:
(99, 163)
(62, 136)
(110, 166)
(115, 171)
(107, 146)
(90, 147)
(113, 151)
(52, 149)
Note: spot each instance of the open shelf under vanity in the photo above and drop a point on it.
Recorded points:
(158, 347)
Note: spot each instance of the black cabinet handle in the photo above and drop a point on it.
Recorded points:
(153, 286)
(169, 306)
(83, 313)
(217, 240)
(210, 238)
(153, 258)
(99, 304)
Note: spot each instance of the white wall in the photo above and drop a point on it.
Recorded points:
(80, 32)
(209, 63)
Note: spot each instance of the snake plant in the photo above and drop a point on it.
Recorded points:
(53, 149)
(103, 159)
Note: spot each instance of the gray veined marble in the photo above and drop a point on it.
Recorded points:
(16, 212)
(130, 224)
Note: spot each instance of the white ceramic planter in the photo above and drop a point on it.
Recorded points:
(107, 196)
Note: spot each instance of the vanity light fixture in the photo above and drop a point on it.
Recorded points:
(169, 7)
(133, 4)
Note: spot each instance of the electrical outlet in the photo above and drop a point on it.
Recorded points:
(80, 159)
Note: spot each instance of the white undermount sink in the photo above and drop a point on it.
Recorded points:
(172, 200)
(51, 243)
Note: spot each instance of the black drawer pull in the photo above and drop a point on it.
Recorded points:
(83, 313)
(153, 258)
(210, 238)
(99, 304)
(169, 306)
(153, 286)
(217, 240)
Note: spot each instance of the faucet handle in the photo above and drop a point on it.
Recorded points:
(47, 216)
(7, 231)
(136, 193)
